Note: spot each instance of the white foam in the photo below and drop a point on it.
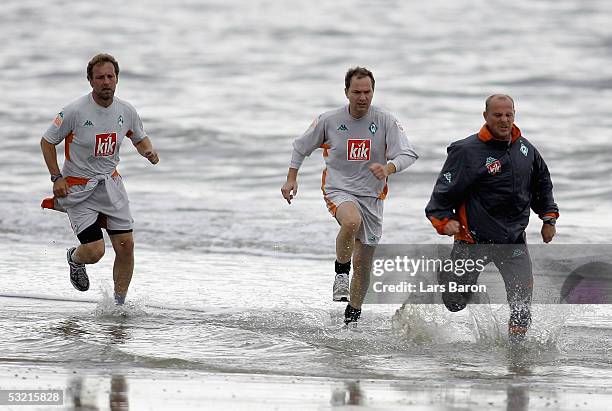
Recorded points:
(484, 324)
(430, 323)
(106, 307)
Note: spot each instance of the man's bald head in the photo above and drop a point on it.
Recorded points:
(495, 97)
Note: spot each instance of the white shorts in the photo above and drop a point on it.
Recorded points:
(85, 213)
(370, 208)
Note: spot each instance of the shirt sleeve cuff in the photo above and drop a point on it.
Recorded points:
(296, 159)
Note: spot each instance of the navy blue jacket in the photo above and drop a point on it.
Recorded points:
(489, 186)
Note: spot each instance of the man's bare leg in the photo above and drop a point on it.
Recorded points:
(123, 268)
(77, 257)
(89, 253)
(349, 218)
(362, 267)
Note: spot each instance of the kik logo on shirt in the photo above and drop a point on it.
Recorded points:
(358, 150)
(105, 144)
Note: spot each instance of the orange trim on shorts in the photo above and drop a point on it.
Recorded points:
(330, 204)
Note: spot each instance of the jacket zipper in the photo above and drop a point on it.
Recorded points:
(513, 185)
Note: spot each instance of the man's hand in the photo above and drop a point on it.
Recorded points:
(152, 156)
(548, 232)
(381, 172)
(289, 190)
(60, 188)
(452, 227)
(145, 149)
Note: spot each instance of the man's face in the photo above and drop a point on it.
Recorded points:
(103, 81)
(359, 95)
(500, 117)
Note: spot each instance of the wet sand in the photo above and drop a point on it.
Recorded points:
(185, 390)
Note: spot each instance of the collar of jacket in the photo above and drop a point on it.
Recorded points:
(485, 135)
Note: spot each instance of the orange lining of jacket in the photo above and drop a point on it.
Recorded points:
(485, 134)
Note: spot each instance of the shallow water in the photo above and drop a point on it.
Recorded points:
(270, 323)
(229, 278)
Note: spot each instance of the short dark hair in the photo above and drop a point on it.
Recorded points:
(101, 58)
(358, 72)
(491, 97)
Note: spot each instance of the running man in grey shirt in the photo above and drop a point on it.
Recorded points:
(89, 188)
(362, 145)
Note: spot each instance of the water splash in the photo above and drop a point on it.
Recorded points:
(482, 324)
(106, 307)
(429, 323)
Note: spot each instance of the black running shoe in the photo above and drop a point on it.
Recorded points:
(453, 301)
(78, 275)
(351, 315)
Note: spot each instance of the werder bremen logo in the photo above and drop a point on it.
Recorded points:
(373, 128)
(493, 165)
(59, 119)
